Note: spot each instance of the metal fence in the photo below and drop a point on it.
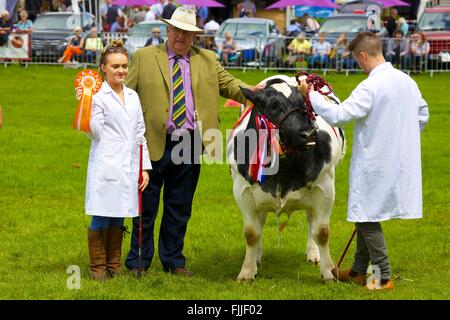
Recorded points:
(279, 54)
(275, 53)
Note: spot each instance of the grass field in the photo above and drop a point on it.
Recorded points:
(43, 226)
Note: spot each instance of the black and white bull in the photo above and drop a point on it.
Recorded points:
(305, 177)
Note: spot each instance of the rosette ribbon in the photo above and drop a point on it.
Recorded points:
(87, 83)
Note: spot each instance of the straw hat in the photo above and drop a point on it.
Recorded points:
(183, 19)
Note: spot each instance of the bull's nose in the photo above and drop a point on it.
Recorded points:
(304, 134)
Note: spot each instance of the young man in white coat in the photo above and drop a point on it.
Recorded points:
(385, 168)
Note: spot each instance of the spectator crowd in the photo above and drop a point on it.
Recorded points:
(304, 48)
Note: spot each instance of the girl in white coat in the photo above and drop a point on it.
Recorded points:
(117, 130)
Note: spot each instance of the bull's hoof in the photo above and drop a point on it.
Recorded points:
(246, 276)
(313, 261)
(313, 257)
(327, 277)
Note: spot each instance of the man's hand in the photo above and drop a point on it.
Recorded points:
(303, 87)
(258, 87)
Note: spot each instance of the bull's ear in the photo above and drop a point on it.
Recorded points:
(249, 94)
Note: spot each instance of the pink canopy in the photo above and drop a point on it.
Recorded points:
(312, 3)
(393, 3)
(134, 2)
(202, 3)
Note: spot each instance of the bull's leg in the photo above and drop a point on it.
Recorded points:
(252, 228)
(262, 220)
(253, 233)
(312, 251)
(320, 234)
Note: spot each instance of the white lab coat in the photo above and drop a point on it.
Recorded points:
(385, 167)
(113, 169)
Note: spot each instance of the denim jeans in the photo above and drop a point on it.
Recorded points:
(322, 59)
(102, 223)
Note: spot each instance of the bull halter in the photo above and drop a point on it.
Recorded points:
(315, 83)
(310, 133)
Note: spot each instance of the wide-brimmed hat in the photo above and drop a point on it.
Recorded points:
(183, 19)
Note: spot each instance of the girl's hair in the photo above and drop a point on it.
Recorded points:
(116, 46)
(422, 36)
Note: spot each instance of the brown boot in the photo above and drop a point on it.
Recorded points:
(387, 285)
(97, 255)
(114, 250)
(346, 275)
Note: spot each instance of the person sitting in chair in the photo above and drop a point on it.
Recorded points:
(299, 50)
(6, 26)
(321, 51)
(74, 46)
(228, 49)
(155, 38)
(420, 49)
(93, 45)
(398, 50)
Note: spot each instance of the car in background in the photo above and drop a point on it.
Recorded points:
(141, 32)
(255, 37)
(52, 30)
(435, 24)
(353, 18)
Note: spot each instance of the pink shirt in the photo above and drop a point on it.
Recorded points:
(190, 108)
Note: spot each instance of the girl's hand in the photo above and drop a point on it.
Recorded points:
(145, 180)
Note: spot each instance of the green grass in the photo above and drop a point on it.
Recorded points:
(43, 226)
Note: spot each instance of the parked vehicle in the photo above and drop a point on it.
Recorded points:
(435, 24)
(255, 37)
(51, 31)
(353, 18)
(141, 32)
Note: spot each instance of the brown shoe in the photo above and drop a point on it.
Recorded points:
(97, 255)
(114, 251)
(181, 271)
(389, 285)
(345, 276)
